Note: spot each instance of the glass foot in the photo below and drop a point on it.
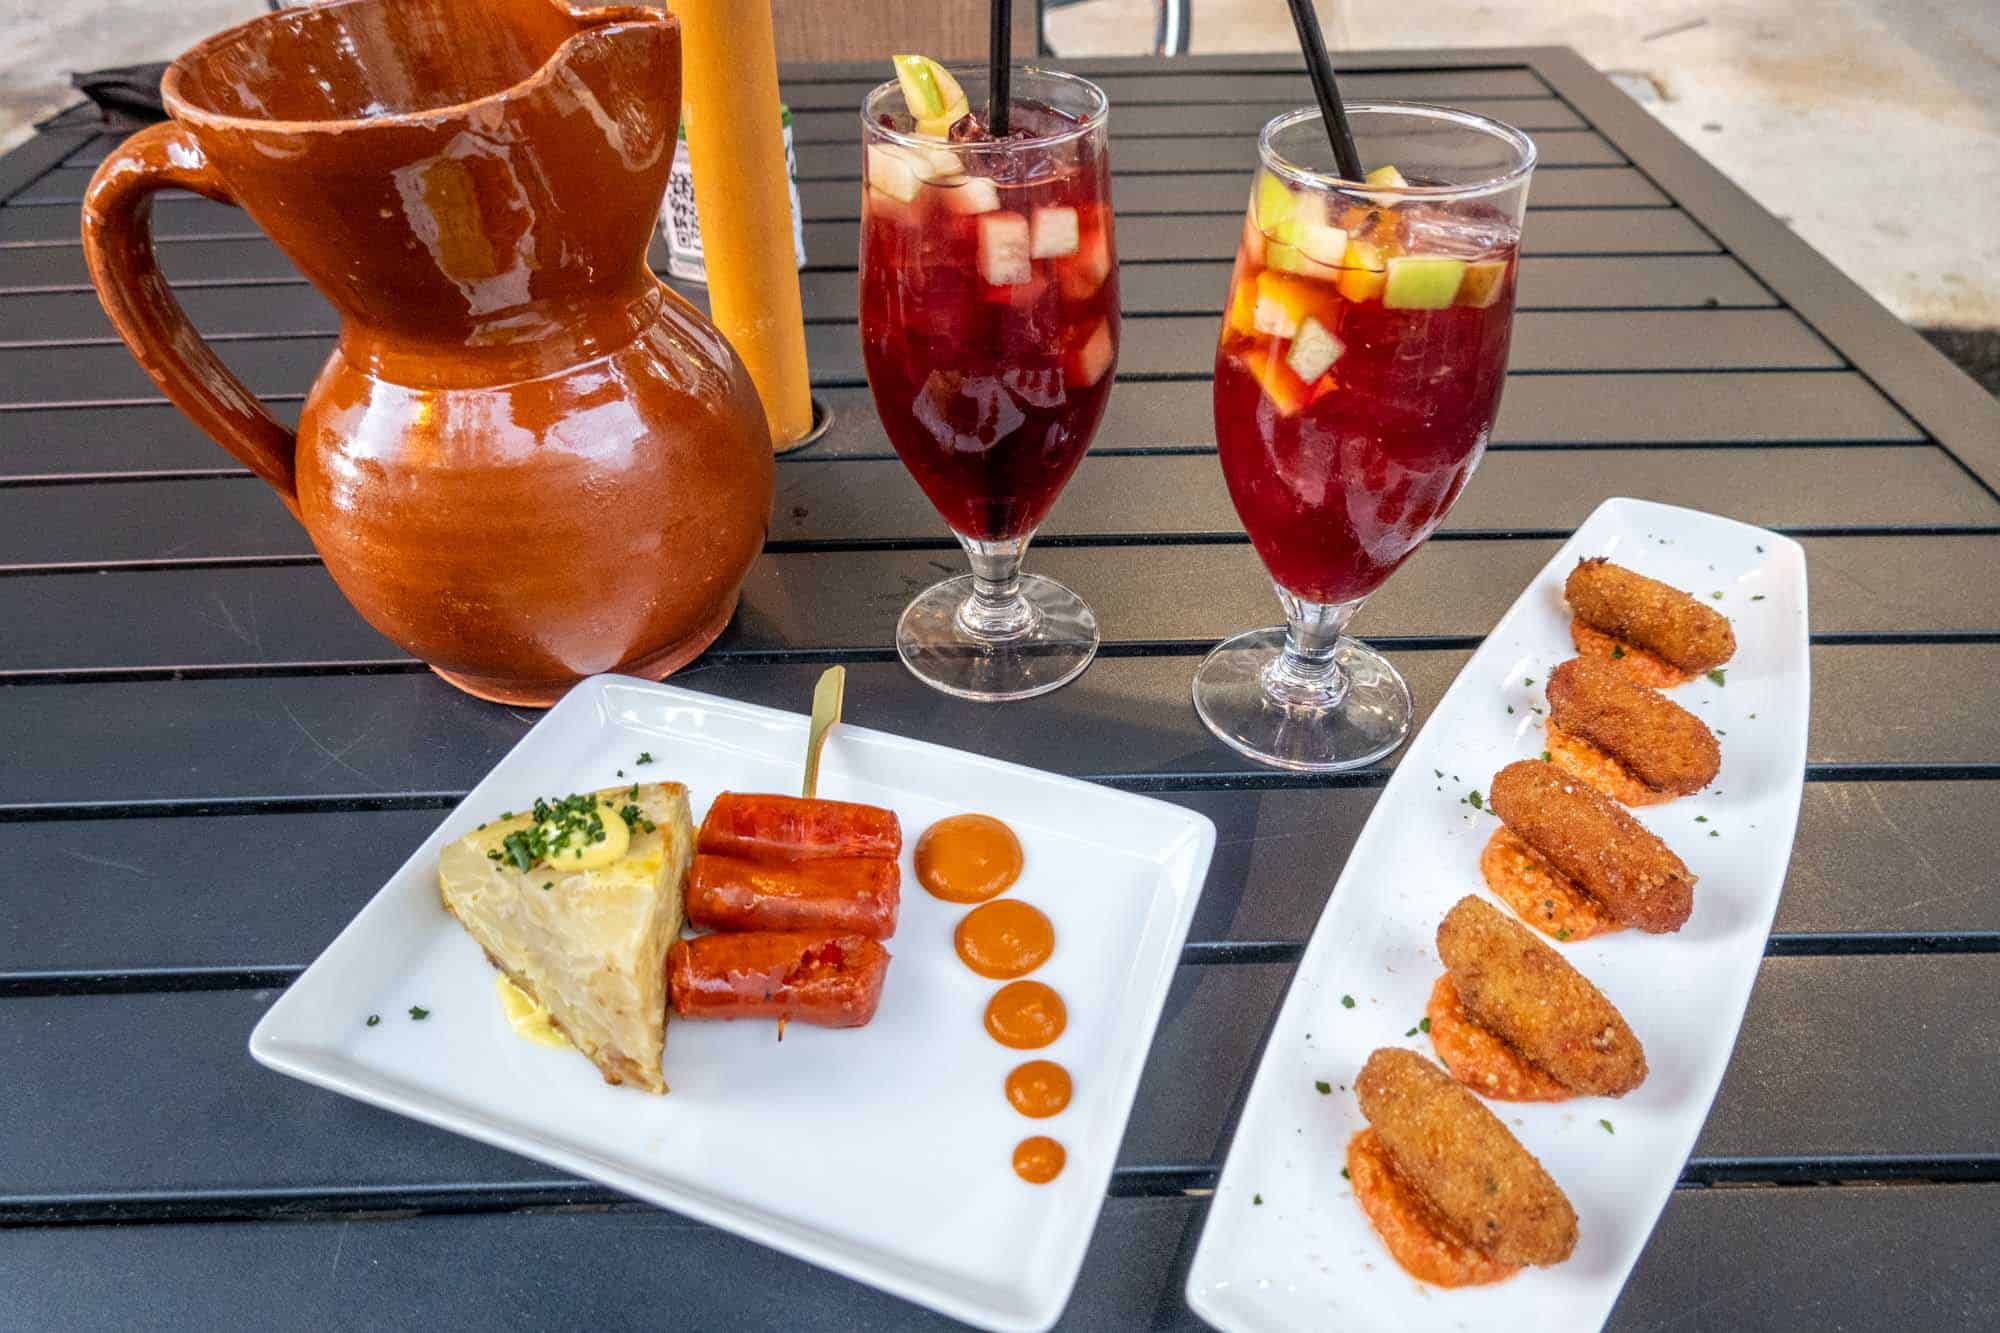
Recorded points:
(1239, 695)
(1038, 652)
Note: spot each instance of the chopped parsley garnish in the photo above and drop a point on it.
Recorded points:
(574, 821)
(374, 1020)
(1718, 676)
(1323, 1086)
(1617, 652)
(621, 772)
(1607, 1127)
(419, 1013)
(1411, 1033)
(1563, 934)
(1257, 1199)
(1344, 1175)
(1757, 597)
(1716, 595)
(1424, 1025)
(1475, 800)
(1528, 680)
(1437, 772)
(547, 885)
(645, 757)
(1547, 757)
(1347, 1001)
(1760, 550)
(1713, 834)
(1510, 710)
(1701, 819)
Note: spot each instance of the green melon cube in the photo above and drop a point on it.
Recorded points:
(1422, 282)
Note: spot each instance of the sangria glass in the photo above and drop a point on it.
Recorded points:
(989, 329)
(1359, 369)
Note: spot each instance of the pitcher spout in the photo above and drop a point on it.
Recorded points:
(417, 173)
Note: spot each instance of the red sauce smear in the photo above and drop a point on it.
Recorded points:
(1540, 895)
(1642, 665)
(1598, 768)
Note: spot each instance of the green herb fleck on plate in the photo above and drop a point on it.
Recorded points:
(1347, 1001)
(1719, 676)
(1325, 1088)
(374, 1020)
(419, 1013)
(1607, 1127)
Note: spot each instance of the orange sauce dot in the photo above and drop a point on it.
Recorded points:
(1039, 1160)
(1003, 939)
(968, 858)
(1039, 1088)
(1026, 1015)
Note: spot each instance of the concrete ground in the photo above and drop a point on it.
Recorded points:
(1872, 126)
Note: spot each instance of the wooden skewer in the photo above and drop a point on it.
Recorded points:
(826, 711)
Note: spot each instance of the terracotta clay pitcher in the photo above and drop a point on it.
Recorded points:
(527, 460)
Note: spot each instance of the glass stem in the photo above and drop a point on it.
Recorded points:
(1308, 673)
(996, 611)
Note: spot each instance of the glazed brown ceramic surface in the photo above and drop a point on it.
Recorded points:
(527, 460)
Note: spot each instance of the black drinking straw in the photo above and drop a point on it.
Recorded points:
(1000, 68)
(1331, 110)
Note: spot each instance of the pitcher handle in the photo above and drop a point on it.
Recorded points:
(118, 244)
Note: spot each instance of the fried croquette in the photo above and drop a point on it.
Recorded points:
(1481, 1061)
(1651, 614)
(1589, 838)
(1662, 744)
(1417, 1238)
(1482, 1182)
(1527, 994)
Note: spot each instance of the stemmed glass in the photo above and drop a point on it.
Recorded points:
(1356, 380)
(989, 328)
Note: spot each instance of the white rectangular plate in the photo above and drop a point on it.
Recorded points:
(1305, 1257)
(883, 1153)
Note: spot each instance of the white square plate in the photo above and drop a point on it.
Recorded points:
(883, 1153)
(1305, 1257)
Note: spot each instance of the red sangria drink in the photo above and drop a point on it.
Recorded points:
(989, 329)
(1358, 373)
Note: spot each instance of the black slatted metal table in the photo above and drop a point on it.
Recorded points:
(207, 762)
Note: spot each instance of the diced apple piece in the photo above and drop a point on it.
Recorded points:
(942, 162)
(1243, 308)
(1284, 258)
(1483, 282)
(1387, 178)
(1088, 363)
(1422, 282)
(1275, 203)
(893, 172)
(1314, 349)
(1087, 269)
(1003, 249)
(1284, 301)
(1286, 391)
(1055, 233)
(1362, 274)
(1322, 244)
(971, 195)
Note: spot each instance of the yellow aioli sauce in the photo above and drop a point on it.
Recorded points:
(525, 1014)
